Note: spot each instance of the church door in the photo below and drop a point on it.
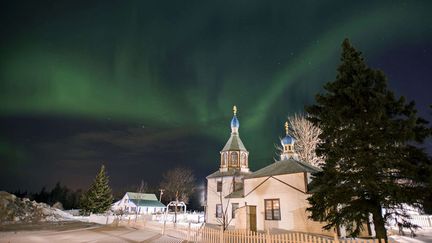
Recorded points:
(252, 221)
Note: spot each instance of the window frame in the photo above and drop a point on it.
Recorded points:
(219, 211)
(219, 186)
(233, 210)
(272, 215)
(234, 159)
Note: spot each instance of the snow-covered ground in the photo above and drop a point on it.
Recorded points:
(422, 235)
(96, 233)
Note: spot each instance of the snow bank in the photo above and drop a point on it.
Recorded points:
(96, 218)
(17, 210)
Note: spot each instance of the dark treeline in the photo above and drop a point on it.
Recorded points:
(68, 198)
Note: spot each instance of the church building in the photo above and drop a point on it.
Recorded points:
(274, 197)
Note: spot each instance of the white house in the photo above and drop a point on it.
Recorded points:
(141, 203)
(274, 197)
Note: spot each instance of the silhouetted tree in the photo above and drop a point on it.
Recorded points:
(367, 137)
(179, 184)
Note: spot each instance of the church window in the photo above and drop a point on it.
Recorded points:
(218, 210)
(223, 158)
(272, 209)
(243, 159)
(234, 207)
(219, 186)
(234, 158)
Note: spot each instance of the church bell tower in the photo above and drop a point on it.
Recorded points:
(287, 145)
(234, 155)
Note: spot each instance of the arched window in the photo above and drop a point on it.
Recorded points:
(223, 161)
(243, 159)
(234, 159)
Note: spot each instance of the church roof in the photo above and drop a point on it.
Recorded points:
(142, 196)
(236, 194)
(289, 166)
(147, 203)
(234, 143)
(231, 172)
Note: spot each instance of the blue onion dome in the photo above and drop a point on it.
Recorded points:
(235, 122)
(287, 140)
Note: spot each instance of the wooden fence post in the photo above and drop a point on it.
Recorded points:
(268, 236)
(189, 232)
(336, 238)
(221, 235)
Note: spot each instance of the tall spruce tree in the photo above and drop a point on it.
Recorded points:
(371, 162)
(98, 198)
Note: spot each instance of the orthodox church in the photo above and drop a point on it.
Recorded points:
(274, 197)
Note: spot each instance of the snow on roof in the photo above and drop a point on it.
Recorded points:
(142, 196)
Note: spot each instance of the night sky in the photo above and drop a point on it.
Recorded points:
(144, 86)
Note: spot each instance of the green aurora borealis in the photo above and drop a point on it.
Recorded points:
(166, 74)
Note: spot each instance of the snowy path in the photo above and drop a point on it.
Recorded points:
(423, 235)
(95, 234)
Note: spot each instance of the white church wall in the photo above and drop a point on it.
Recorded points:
(293, 203)
(213, 198)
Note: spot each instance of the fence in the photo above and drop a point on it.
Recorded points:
(195, 233)
(422, 220)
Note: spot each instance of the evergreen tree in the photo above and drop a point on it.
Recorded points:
(427, 204)
(371, 162)
(99, 197)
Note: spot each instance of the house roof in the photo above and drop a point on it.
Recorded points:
(147, 203)
(289, 166)
(234, 143)
(141, 196)
(229, 172)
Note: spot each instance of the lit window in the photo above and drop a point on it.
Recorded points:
(272, 209)
(234, 158)
(218, 210)
(243, 159)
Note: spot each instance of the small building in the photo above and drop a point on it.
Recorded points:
(274, 197)
(141, 203)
